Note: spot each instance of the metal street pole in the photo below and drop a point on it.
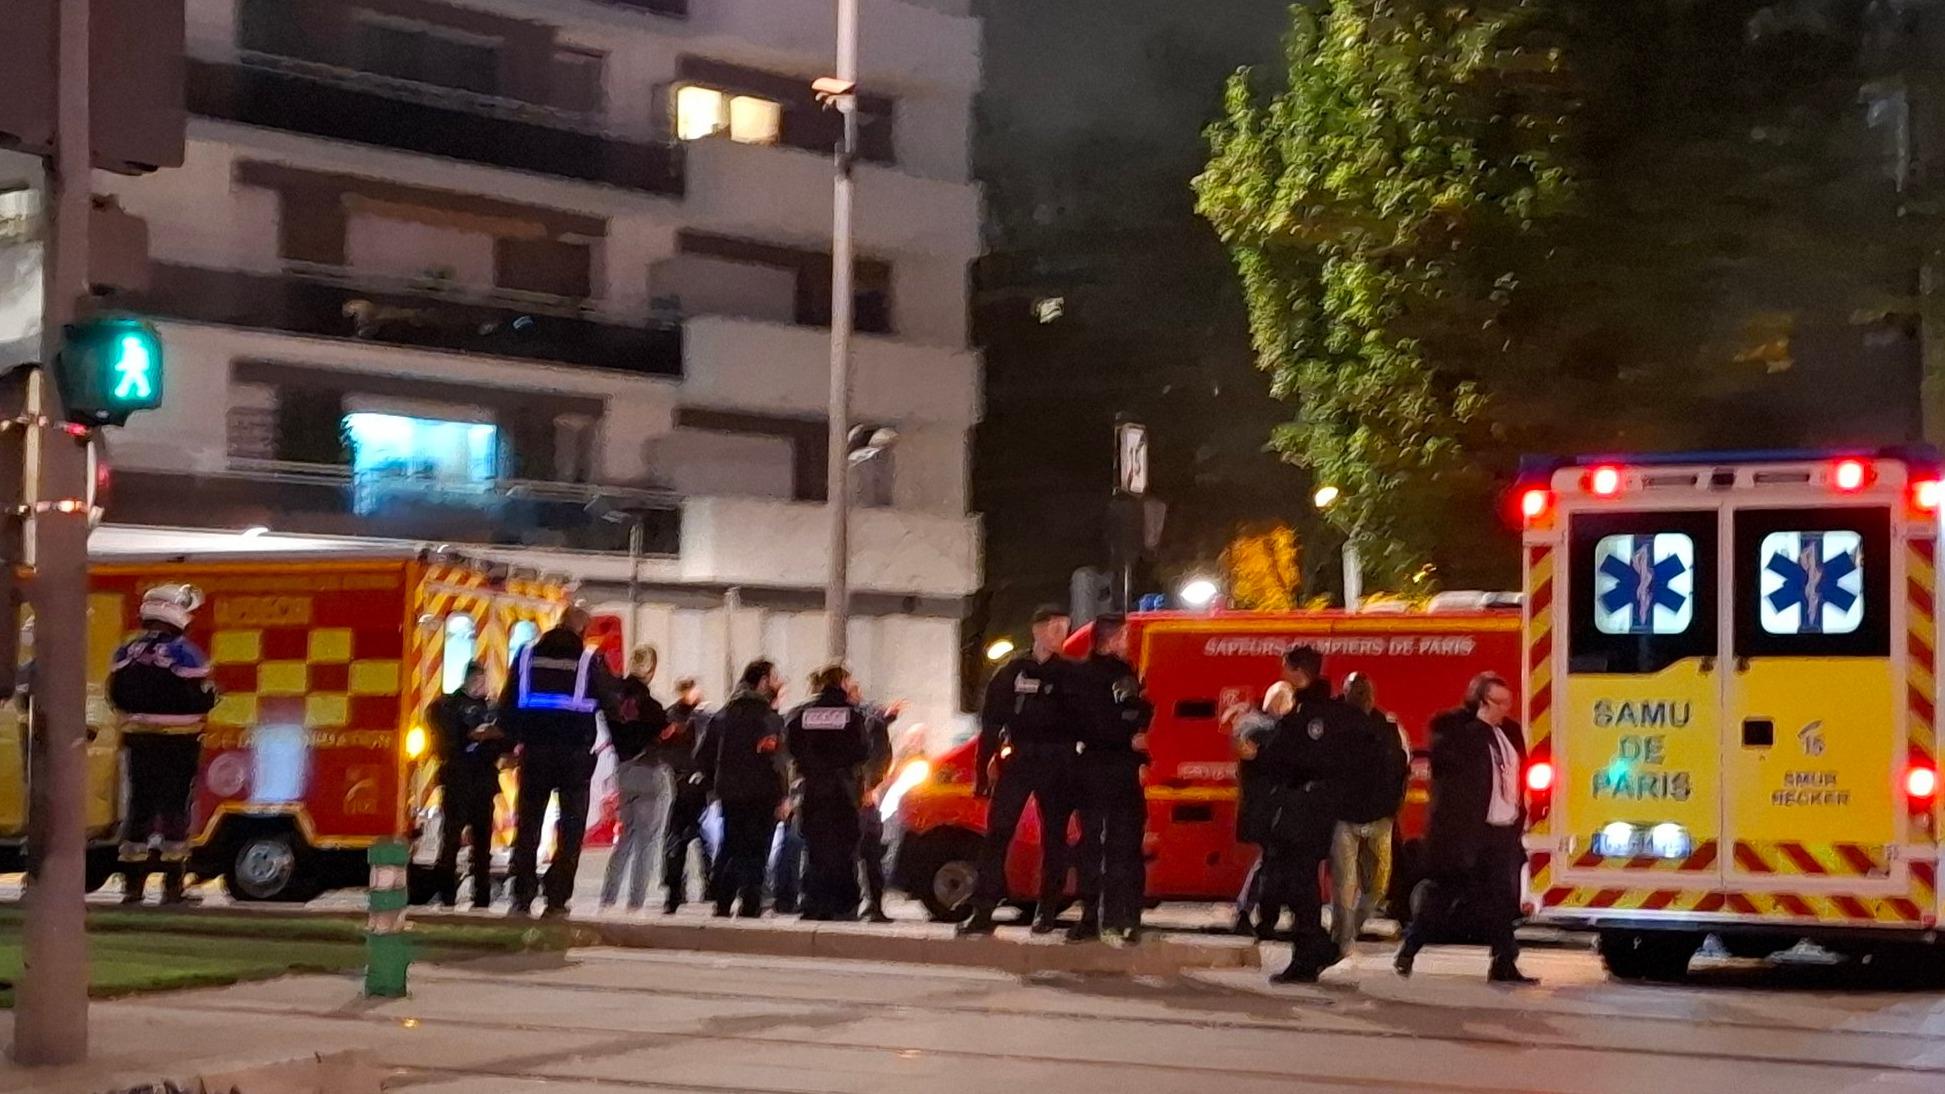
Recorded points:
(837, 593)
(1353, 576)
(635, 583)
(51, 1009)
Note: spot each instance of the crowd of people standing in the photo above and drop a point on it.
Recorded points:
(805, 781)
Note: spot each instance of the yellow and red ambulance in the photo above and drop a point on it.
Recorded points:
(1731, 696)
(318, 746)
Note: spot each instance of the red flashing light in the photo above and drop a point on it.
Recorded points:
(1539, 776)
(1920, 783)
(1605, 481)
(1927, 494)
(1850, 475)
(1535, 502)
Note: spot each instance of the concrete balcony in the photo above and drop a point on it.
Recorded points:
(919, 44)
(760, 541)
(326, 500)
(344, 105)
(784, 194)
(785, 369)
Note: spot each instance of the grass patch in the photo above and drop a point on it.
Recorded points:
(136, 951)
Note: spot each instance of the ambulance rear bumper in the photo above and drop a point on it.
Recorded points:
(1814, 930)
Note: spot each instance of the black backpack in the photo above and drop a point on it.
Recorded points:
(1379, 767)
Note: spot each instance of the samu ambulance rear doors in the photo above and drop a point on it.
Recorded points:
(1732, 737)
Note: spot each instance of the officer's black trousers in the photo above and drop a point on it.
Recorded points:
(466, 812)
(161, 777)
(740, 861)
(831, 836)
(1291, 880)
(1114, 815)
(871, 849)
(545, 772)
(1047, 775)
(685, 827)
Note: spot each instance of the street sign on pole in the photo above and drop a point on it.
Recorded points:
(1131, 458)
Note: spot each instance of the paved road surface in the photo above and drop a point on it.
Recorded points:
(608, 1022)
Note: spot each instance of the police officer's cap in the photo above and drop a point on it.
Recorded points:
(1049, 611)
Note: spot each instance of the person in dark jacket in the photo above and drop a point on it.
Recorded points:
(158, 684)
(470, 747)
(1030, 731)
(742, 748)
(871, 822)
(1305, 761)
(686, 718)
(554, 690)
(1114, 811)
(1473, 840)
(643, 781)
(1360, 855)
(1250, 728)
(828, 739)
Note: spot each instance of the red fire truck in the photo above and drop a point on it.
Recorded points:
(1199, 668)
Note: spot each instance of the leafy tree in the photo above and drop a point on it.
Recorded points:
(1407, 138)
(1264, 568)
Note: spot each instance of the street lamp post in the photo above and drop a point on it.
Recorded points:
(842, 92)
(1326, 497)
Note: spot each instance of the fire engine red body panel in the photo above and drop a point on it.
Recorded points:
(1198, 670)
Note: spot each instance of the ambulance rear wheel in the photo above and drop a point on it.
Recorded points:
(1648, 955)
(269, 863)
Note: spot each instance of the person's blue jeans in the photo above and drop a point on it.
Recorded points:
(787, 866)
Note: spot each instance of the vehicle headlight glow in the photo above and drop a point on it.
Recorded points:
(415, 742)
(909, 776)
(1669, 840)
(1615, 841)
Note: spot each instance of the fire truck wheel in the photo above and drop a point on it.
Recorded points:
(269, 864)
(1648, 955)
(944, 866)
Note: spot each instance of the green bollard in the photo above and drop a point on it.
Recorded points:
(387, 951)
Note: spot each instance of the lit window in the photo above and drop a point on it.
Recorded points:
(422, 448)
(461, 639)
(702, 112)
(1813, 582)
(1644, 584)
(755, 121)
(699, 112)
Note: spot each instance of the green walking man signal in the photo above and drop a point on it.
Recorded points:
(109, 367)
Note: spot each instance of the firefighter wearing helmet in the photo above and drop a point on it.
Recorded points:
(159, 686)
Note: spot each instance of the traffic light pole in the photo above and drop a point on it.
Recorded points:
(837, 589)
(51, 1002)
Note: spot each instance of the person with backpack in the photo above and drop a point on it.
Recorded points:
(1378, 765)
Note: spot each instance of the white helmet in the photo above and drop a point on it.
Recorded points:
(171, 604)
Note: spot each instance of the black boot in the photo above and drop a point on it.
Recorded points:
(172, 885)
(1506, 972)
(981, 923)
(1406, 957)
(1087, 930)
(134, 880)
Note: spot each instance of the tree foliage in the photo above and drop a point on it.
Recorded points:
(1353, 200)
(1470, 229)
(1263, 567)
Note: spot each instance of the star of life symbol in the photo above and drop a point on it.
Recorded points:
(1812, 582)
(1645, 584)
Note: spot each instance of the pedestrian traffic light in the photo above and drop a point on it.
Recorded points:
(108, 368)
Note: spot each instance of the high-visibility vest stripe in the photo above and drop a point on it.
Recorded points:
(576, 702)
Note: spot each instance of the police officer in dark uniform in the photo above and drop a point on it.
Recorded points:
(691, 795)
(1029, 730)
(469, 778)
(159, 683)
(828, 742)
(1306, 763)
(1114, 812)
(554, 690)
(741, 750)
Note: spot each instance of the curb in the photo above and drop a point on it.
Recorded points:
(352, 1072)
(1156, 956)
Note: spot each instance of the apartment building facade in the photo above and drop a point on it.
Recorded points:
(549, 281)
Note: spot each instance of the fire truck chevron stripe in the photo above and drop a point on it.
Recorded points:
(1841, 907)
(1702, 858)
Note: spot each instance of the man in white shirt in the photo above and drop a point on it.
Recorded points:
(1478, 816)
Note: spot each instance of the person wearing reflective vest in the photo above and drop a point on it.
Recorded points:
(554, 692)
(158, 684)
